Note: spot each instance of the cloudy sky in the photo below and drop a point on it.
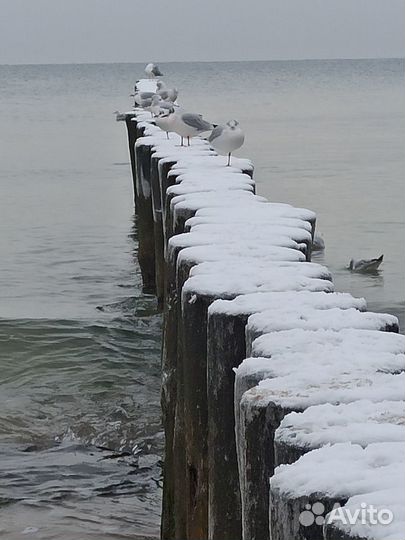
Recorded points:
(58, 31)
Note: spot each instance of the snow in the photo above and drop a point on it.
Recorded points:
(367, 476)
(347, 340)
(146, 85)
(391, 499)
(195, 201)
(247, 216)
(285, 301)
(228, 278)
(299, 234)
(310, 317)
(361, 422)
(244, 239)
(220, 184)
(304, 383)
(341, 470)
(270, 209)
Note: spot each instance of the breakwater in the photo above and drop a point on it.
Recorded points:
(256, 343)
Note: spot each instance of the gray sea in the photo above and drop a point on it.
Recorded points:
(80, 436)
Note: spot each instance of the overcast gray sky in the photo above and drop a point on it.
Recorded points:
(58, 31)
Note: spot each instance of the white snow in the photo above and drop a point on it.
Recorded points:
(272, 302)
(361, 422)
(323, 341)
(304, 383)
(308, 318)
(227, 278)
(247, 216)
(146, 85)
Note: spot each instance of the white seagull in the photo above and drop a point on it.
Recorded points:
(165, 121)
(152, 71)
(365, 265)
(140, 96)
(152, 105)
(226, 139)
(167, 94)
(190, 125)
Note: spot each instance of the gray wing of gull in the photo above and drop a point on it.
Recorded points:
(146, 95)
(216, 132)
(195, 121)
(156, 72)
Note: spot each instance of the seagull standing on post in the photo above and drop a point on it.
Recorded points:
(165, 121)
(152, 71)
(226, 139)
(190, 125)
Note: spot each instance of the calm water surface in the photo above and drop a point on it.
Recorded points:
(80, 435)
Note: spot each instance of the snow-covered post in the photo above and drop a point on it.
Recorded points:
(362, 485)
(360, 422)
(145, 226)
(290, 386)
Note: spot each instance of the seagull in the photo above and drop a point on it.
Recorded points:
(152, 71)
(165, 121)
(139, 96)
(365, 265)
(190, 125)
(226, 139)
(167, 94)
(152, 105)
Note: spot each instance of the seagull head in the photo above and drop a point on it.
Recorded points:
(232, 124)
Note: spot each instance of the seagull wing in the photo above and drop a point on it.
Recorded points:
(216, 132)
(195, 121)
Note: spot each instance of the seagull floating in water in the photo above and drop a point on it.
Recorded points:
(190, 125)
(152, 71)
(365, 265)
(226, 139)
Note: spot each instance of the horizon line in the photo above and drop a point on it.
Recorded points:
(205, 61)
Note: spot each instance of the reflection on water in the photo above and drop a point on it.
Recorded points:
(80, 435)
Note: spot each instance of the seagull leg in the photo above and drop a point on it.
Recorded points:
(167, 134)
(182, 141)
(229, 159)
(188, 141)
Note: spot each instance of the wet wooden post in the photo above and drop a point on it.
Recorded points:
(145, 223)
(157, 228)
(131, 123)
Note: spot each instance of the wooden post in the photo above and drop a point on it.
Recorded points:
(145, 225)
(130, 121)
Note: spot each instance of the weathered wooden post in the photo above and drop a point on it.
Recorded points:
(145, 223)
(130, 121)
